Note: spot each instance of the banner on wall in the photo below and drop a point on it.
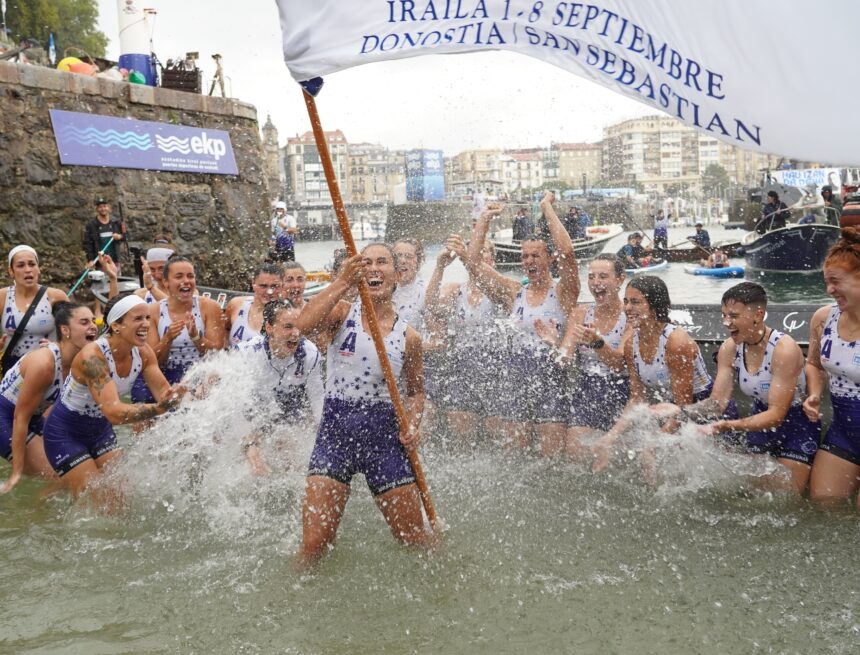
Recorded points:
(737, 70)
(93, 140)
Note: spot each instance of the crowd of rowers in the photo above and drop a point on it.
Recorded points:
(522, 363)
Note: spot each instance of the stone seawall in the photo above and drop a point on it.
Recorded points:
(220, 221)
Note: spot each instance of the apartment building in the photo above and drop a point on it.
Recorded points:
(306, 181)
(576, 160)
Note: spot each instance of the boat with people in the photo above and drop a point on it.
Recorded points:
(791, 249)
(509, 251)
(691, 253)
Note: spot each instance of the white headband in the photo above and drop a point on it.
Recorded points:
(22, 248)
(122, 307)
(158, 254)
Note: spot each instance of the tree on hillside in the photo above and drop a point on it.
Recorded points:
(73, 23)
(715, 179)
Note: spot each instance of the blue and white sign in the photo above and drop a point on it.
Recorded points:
(93, 140)
(735, 70)
(425, 175)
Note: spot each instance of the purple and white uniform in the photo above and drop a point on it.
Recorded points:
(10, 390)
(601, 391)
(536, 383)
(241, 330)
(408, 302)
(841, 360)
(40, 326)
(294, 383)
(796, 437)
(655, 374)
(182, 355)
(359, 431)
(76, 429)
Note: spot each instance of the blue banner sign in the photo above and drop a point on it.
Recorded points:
(93, 140)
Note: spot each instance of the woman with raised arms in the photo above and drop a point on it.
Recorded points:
(359, 431)
(32, 384)
(536, 388)
(79, 435)
(834, 358)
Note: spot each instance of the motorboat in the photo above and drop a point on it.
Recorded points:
(790, 249)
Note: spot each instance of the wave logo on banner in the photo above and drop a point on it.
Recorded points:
(90, 136)
(93, 140)
(173, 144)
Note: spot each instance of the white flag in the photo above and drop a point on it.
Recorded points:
(758, 74)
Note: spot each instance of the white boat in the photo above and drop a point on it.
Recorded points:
(509, 251)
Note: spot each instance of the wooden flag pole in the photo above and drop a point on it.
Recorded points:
(367, 304)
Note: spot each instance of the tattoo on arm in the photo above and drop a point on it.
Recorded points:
(138, 413)
(96, 372)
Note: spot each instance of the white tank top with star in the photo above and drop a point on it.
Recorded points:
(76, 395)
(352, 367)
(524, 317)
(241, 330)
(655, 374)
(840, 358)
(10, 387)
(40, 326)
(589, 360)
(757, 385)
(183, 353)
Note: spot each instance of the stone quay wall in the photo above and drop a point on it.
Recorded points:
(219, 221)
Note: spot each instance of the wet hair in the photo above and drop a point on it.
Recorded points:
(162, 240)
(267, 268)
(773, 194)
(289, 266)
(387, 246)
(273, 308)
(546, 244)
(173, 259)
(616, 262)
(656, 293)
(746, 293)
(415, 243)
(62, 312)
(846, 251)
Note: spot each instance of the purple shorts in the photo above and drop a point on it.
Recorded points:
(598, 401)
(7, 420)
(537, 390)
(843, 437)
(140, 393)
(72, 438)
(359, 437)
(796, 438)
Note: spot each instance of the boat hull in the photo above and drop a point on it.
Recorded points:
(510, 252)
(792, 249)
(690, 255)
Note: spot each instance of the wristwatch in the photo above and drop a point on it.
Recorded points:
(597, 344)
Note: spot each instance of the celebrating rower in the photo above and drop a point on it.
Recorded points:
(360, 431)
(31, 385)
(244, 314)
(833, 336)
(536, 381)
(79, 435)
(27, 317)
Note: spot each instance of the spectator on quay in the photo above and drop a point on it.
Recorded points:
(282, 240)
(99, 231)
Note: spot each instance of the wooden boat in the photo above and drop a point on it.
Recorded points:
(509, 252)
(690, 253)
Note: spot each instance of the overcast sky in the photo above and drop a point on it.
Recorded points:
(452, 102)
